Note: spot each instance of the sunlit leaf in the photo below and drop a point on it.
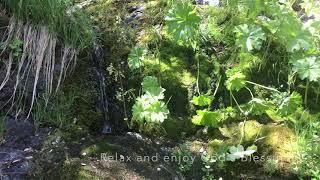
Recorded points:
(207, 118)
(249, 37)
(202, 100)
(183, 22)
(147, 109)
(258, 106)
(151, 86)
(236, 79)
(307, 68)
(136, 57)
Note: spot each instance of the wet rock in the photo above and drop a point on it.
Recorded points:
(138, 136)
(136, 14)
(18, 149)
(18, 133)
(13, 165)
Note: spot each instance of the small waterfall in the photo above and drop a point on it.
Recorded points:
(98, 62)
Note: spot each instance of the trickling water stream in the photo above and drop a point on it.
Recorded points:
(98, 61)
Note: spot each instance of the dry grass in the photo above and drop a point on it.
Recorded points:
(37, 61)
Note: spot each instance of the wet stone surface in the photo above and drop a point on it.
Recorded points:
(20, 144)
(136, 14)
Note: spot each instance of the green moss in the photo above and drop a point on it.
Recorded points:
(272, 140)
(74, 132)
(250, 131)
(98, 148)
(217, 146)
(84, 111)
(177, 68)
(280, 142)
(178, 127)
(72, 169)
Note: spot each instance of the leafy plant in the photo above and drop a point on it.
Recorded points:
(151, 87)
(251, 7)
(258, 106)
(202, 100)
(207, 168)
(287, 28)
(183, 21)
(149, 108)
(15, 47)
(249, 37)
(183, 152)
(236, 79)
(290, 104)
(55, 112)
(308, 151)
(307, 68)
(136, 57)
(75, 29)
(207, 118)
(271, 166)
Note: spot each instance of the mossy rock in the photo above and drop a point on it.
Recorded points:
(73, 169)
(249, 129)
(273, 140)
(95, 150)
(280, 142)
(218, 146)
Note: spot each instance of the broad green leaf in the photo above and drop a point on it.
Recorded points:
(253, 7)
(249, 37)
(288, 28)
(258, 106)
(158, 112)
(307, 68)
(274, 115)
(136, 57)
(138, 111)
(202, 100)
(147, 109)
(207, 118)
(183, 22)
(236, 79)
(290, 104)
(151, 86)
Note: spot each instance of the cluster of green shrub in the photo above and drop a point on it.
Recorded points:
(269, 66)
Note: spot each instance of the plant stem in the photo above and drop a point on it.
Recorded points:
(198, 73)
(216, 90)
(318, 95)
(306, 93)
(237, 103)
(262, 86)
(250, 92)
(243, 130)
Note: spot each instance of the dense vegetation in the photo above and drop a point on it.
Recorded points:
(232, 79)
